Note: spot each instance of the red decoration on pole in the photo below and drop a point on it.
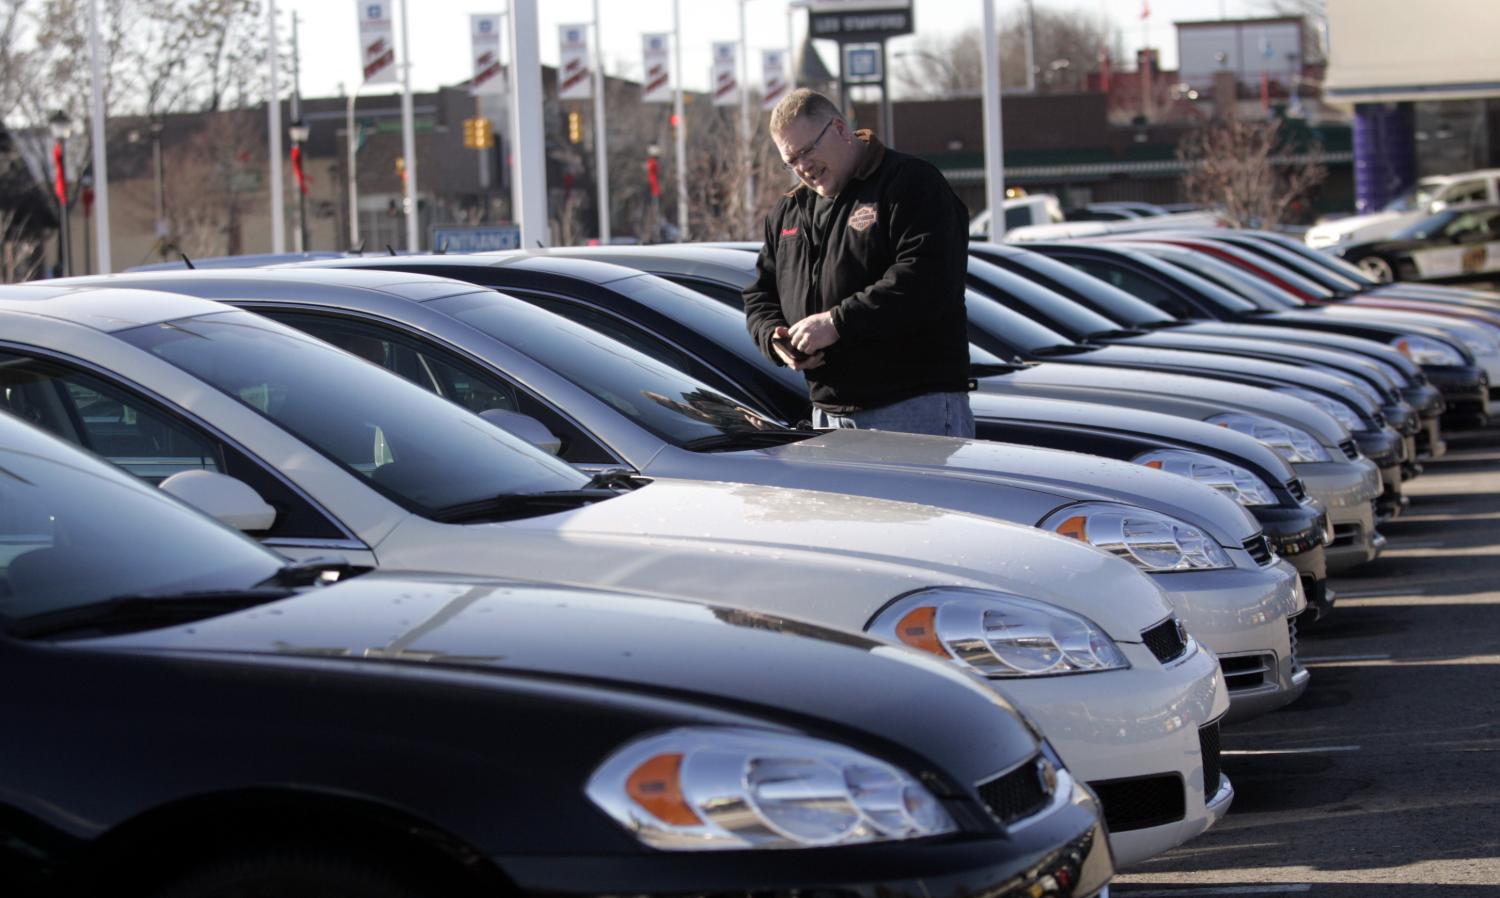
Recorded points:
(652, 172)
(88, 201)
(60, 185)
(297, 168)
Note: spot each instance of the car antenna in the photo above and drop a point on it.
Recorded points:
(443, 250)
(539, 245)
(358, 250)
(390, 249)
(188, 262)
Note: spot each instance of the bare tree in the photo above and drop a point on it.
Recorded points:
(1250, 172)
(1068, 46)
(21, 253)
(216, 181)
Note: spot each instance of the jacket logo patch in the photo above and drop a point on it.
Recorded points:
(862, 217)
(788, 232)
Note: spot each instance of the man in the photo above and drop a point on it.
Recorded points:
(860, 282)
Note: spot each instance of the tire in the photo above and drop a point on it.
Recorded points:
(1377, 268)
(295, 873)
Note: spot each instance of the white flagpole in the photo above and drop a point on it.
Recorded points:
(530, 176)
(273, 108)
(994, 163)
(682, 194)
(101, 163)
(408, 136)
(601, 153)
(746, 133)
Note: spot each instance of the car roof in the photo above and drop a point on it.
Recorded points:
(581, 269)
(308, 283)
(679, 259)
(105, 309)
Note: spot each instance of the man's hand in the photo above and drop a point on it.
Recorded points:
(805, 362)
(814, 332)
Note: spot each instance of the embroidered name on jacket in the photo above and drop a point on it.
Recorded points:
(788, 232)
(862, 217)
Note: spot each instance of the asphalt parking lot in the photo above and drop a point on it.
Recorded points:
(1381, 781)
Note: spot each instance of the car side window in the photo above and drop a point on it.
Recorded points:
(444, 373)
(142, 438)
(1466, 192)
(635, 337)
(1136, 285)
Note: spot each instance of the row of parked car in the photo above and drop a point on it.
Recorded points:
(526, 572)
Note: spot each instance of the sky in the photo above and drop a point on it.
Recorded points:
(440, 31)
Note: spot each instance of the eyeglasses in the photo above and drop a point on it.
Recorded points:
(791, 164)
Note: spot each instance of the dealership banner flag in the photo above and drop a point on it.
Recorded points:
(726, 83)
(574, 74)
(773, 85)
(656, 86)
(484, 39)
(377, 42)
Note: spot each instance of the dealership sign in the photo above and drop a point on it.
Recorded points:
(859, 21)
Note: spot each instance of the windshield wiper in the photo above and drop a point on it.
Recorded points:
(747, 439)
(523, 505)
(318, 570)
(1115, 334)
(146, 611)
(1063, 349)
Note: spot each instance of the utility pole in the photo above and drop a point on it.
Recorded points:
(601, 133)
(747, 133)
(677, 110)
(299, 134)
(101, 174)
(1030, 47)
(994, 161)
(273, 112)
(530, 180)
(408, 135)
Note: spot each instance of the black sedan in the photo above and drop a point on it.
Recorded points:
(1451, 246)
(188, 715)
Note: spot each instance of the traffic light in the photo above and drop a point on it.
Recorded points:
(478, 133)
(575, 127)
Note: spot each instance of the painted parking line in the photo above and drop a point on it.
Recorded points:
(1195, 891)
(1316, 750)
(1334, 659)
(1375, 593)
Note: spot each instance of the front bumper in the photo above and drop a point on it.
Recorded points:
(1063, 852)
(1139, 729)
(1347, 490)
(1386, 449)
(1466, 393)
(1242, 613)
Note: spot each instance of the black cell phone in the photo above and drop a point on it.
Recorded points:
(787, 347)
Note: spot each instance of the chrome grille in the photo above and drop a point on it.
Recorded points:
(1291, 626)
(1246, 672)
(1166, 640)
(1018, 794)
(1260, 549)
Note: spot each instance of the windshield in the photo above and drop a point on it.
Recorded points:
(420, 450)
(1005, 332)
(1104, 298)
(58, 549)
(1347, 269)
(1036, 302)
(663, 400)
(1318, 273)
(1228, 287)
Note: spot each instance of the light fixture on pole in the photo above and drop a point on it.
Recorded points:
(61, 127)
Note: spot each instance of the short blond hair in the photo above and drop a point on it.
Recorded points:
(802, 103)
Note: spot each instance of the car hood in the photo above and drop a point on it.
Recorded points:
(1174, 394)
(1055, 476)
(1282, 352)
(1363, 345)
(1218, 365)
(824, 557)
(1219, 441)
(1370, 226)
(729, 656)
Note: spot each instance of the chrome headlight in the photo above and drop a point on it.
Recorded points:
(1152, 541)
(1427, 351)
(1339, 410)
(727, 788)
(998, 635)
(1230, 479)
(1291, 443)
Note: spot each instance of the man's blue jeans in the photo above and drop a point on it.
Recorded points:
(942, 414)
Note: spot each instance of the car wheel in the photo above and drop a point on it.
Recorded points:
(293, 873)
(1377, 268)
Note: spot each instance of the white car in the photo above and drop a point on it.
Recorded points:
(1428, 195)
(317, 451)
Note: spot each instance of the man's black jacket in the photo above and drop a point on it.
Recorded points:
(889, 267)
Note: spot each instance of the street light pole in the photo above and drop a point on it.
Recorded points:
(273, 113)
(299, 133)
(162, 229)
(682, 194)
(352, 146)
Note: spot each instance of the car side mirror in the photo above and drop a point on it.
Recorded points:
(524, 426)
(221, 497)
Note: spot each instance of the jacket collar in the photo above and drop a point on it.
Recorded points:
(874, 154)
